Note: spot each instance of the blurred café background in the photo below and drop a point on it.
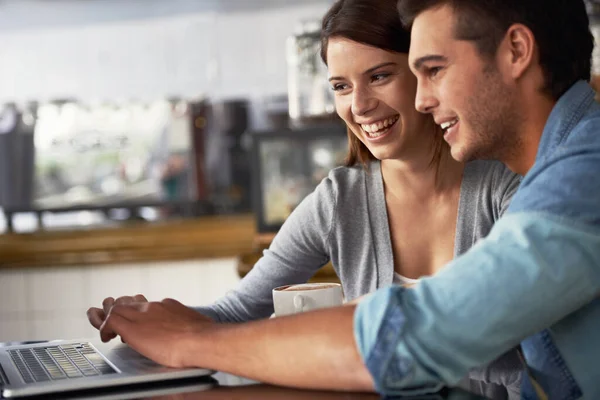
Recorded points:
(154, 147)
(151, 146)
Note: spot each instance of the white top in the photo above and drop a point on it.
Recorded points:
(402, 280)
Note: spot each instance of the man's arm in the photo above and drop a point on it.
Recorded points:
(511, 285)
(311, 350)
(530, 272)
(540, 263)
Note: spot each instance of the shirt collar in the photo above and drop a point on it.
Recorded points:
(567, 112)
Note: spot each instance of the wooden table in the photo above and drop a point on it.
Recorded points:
(228, 387)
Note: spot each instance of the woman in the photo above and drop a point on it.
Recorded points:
(401, 208)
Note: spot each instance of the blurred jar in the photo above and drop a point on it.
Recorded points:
(309, 92)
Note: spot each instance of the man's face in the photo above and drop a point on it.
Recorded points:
(463, 90)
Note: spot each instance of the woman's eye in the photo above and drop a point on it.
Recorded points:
(379, 77)
(339, 86)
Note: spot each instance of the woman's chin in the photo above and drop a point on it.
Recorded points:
(381, 154)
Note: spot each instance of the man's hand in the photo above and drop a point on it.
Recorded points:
(96, 316)
(162, 331)
(313, 350)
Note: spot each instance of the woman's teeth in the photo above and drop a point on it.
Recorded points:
(378, 128)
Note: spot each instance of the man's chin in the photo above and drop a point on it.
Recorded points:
(459, 153)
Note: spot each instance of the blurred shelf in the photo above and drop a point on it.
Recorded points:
(205, 237)
(201, 238)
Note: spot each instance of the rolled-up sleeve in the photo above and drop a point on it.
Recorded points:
(378, 326)
(417, 339)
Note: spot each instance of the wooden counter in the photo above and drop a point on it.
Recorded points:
(206, 237)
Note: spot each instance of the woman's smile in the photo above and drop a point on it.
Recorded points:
(377, 131)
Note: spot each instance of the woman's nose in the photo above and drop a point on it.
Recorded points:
(363, 102)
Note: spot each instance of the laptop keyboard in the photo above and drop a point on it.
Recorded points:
(50, 363)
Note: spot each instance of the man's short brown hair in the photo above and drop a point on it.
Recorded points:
(560, 27)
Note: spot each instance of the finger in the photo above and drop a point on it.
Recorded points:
(172, 304)
(130, 311)
(106, 333)
(125, 311)
(114, 325)
(120, 300)
(96, 316)
(130, 331)
(140, 298)
(124, 300)
(107, 304)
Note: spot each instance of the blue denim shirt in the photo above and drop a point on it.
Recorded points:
(533, 281)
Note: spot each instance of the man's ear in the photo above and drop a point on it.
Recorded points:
(518, 50)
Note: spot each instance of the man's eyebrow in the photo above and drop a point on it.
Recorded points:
(370, 70)
(418, 63)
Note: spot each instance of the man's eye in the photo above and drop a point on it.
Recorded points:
(433, 71)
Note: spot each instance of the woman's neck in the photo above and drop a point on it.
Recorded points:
(421, 178)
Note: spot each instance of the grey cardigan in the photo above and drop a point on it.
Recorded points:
(345, 221)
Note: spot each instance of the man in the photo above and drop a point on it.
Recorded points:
(506, 80)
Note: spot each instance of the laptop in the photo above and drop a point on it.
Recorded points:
(75, 365)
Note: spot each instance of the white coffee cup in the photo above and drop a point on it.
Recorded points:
(292, 299)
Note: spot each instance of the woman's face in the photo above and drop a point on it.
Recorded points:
(375, 95)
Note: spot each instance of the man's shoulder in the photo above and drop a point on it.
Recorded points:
(587, 131)
(564, 181)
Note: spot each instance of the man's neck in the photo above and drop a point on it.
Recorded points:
(537, 112)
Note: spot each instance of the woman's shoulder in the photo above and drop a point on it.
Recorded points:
(491, 180)
(345, 188)
(350, 178)
(490, 173)
(486, 167)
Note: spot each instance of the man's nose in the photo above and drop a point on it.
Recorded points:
(425, 101)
